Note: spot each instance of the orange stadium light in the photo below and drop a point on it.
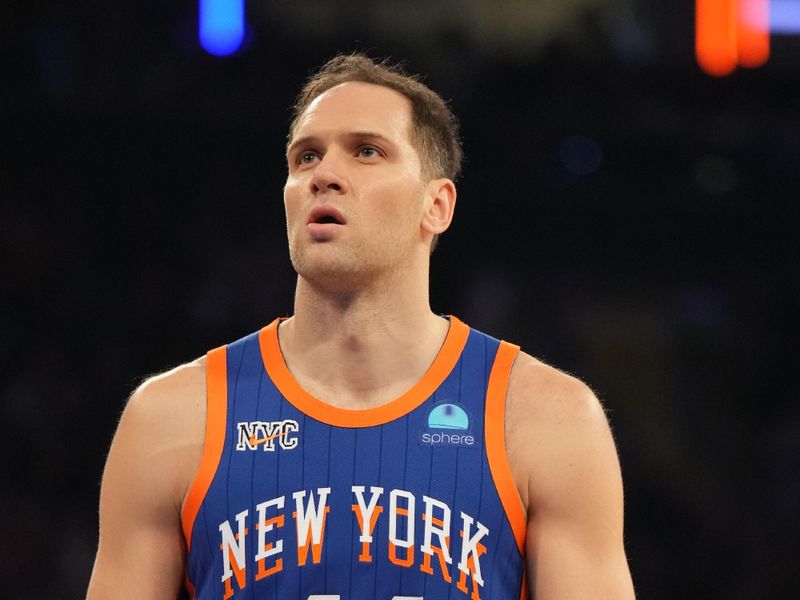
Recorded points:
(715, 36)
(730, 33)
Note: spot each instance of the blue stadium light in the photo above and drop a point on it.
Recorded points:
(221, 26)
(784, 16)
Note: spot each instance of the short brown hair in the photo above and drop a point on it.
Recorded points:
(434, 126)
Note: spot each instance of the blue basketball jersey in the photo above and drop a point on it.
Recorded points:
(296, 499)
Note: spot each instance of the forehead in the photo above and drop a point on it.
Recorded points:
(357, 106)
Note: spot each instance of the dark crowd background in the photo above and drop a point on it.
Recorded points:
(621, 215)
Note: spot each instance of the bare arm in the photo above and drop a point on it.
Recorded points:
(566, 467)
(153, 458)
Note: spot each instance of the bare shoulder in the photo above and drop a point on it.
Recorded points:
(555, 425)
(538, 391)
(163, 424)
(153, 458)
(565, 466)
(179, 392)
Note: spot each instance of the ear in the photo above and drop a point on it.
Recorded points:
(440, 204)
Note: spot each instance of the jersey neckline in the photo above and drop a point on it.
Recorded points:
(287, 385)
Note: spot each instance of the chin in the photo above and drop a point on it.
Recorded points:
(326, 266)
(341, 268)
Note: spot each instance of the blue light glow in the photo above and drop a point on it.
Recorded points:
(580, 155)
(221, 26)
(784, 16)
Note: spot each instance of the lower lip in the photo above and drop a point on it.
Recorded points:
(323, 231)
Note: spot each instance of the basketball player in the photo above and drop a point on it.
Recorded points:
(365, 448)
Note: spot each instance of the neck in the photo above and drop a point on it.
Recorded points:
(364, 347)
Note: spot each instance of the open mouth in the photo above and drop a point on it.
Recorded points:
(326, 215)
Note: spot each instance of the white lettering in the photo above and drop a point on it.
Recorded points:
(453, 439)
(310, 518)
(469, 545)
(270, 431)
(431, 528)
(365, 509)
(264, 528)
(288, 427)
(247, 432)
(251, 434)
(232, 544)
(393, 512)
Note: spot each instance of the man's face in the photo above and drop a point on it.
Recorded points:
(354, 192)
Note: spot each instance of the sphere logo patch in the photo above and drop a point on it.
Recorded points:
(448, 425)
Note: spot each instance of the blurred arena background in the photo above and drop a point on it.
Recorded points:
(622, 215)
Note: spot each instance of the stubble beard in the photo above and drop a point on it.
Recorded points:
(346, 269)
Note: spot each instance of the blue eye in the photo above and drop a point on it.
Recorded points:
(368, 152)
(306, 157)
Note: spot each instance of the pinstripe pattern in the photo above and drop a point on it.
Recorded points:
(392, 456)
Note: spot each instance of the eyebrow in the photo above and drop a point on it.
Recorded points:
(353, 135)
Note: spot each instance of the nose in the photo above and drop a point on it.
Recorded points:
(328, 175)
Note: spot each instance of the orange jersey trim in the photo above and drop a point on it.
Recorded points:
(343, 417)
(216, 415)
(496, 441)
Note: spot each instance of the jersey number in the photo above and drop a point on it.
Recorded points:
(337, 597)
